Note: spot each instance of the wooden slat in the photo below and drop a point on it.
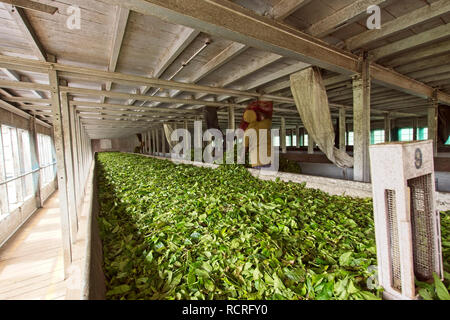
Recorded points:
(284, 8)
(403, 22)
(341, 18)
(19, 15)
(32, 5)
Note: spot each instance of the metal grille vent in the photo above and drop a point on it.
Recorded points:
(422, 227)
(394, 248)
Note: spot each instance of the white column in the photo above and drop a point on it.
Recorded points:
(283, 135)
(432, 118)
(61, 170)
(297, 133)
(153, 141)
(150, 143)
(68, 155)
(163, 142)
(361, 123)
(342, 129)
(158, 145)
(310, 144)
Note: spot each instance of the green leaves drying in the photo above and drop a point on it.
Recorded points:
(182, 232)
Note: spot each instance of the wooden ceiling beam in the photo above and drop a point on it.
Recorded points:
(401, 23)
(32, 5)
(343, 17)
(120, 25)
(20, 17)
(284, 8)
(185, 38)
(228, 20)
(411, 42)
(420, 54)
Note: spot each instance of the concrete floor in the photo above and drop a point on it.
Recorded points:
(31, 262)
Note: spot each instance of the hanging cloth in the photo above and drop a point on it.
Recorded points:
(312, 104)
(168, 129)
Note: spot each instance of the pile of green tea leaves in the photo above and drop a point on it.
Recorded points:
(439, 290)
(183, 232)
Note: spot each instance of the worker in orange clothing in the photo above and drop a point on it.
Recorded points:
(258, 116)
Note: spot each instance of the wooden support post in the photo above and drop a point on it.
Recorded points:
(35, 161)
(432, 119)
(361, 122)
(283, 135)
(61, 170)
(231, 119)
(158, 145)
(414, 126)
(342, 129)
(163, 141)
(68, 157)
(310, 144)
(79, 151)
(154, 141)
(387, 128)
(72, 115)
(150, 142)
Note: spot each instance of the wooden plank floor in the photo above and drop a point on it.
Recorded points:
(31, 262)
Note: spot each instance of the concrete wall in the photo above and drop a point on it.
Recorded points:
(122, 145)
(332, 171)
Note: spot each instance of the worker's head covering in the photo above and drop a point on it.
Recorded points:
(261, 110)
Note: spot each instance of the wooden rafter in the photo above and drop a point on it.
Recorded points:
(231, 21)
(20, 17)
(406, 21)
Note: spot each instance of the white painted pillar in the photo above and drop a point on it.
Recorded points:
(361, 123)
(342, 128)
(283, 135)
(150, 143)
(310, 144)
(153, 141)
(68, 154)
(297, 133)
(198, 139)
(34, 145)
(72, 115)
(61, 170)
(158, 146)
(163, 142)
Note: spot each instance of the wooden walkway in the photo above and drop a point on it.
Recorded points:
(31, 262)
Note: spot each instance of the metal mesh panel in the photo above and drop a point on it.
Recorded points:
(394, 248)
(422, 227)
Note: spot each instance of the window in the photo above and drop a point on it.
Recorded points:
(305, 141)
(46, 158)
(406, 134)
(448, 141)
(349, 136)
(294, 140)
(288, 141)
(422, 133)
(276, 141)
(16, 181)
(376, 136)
